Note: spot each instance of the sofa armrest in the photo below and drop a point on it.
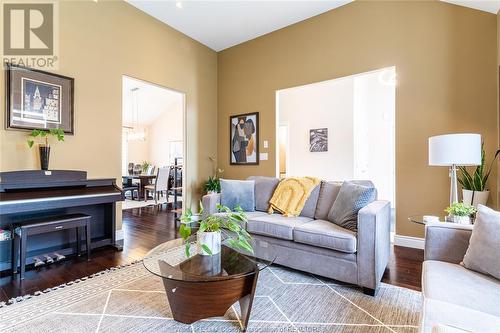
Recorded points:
(446, 241)
(209, 202)
(374, 243)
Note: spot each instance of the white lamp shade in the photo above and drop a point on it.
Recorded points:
(455, 149)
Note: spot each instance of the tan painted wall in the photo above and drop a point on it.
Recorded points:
(445, 56)
(99, 42)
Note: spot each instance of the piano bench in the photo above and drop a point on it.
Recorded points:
(24, 229)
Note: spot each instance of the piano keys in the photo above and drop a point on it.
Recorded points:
(32, 194)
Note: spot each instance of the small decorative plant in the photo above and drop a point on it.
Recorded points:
(477, 180)
(212, 185)
(145, 165)
(460, 209)
(213, 226)
(45, 135)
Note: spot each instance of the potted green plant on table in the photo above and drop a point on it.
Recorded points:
(145, 166)
(474, 189)
(460, 212)
(44, 146)
(212, 229)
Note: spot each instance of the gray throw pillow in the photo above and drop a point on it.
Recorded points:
(484, 245)
(351, 198)
(237, 192)
(264, 190)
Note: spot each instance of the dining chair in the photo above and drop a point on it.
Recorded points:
(160, 185)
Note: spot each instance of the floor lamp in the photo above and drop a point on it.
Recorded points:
(454, 150)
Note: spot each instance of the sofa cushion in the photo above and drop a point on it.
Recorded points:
(264, 189)
(484, 247)
(466, 319)
(237, 192)
(311, 202)
(327, 194)
(275, 225)
(325, 234)
(351, 198)
(453, 283)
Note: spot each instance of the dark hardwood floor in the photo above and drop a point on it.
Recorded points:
(144, 228)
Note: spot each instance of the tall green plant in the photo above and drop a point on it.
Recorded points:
(477, 180)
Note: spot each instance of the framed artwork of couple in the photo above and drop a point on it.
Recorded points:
(244, 130)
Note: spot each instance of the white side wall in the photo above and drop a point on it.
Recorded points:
(322, 105)
(166, 128)
(359, 113)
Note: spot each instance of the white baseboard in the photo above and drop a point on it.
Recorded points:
(119, 234)
(407, 241)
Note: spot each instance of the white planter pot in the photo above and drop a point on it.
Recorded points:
(459, 219)
(196, 218)
(211, 239)
(480, 197)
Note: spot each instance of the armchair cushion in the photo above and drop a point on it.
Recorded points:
(482, 254)
(325, 234)
(238, 192)
(453, 283)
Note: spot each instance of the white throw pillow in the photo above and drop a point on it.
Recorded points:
(484, 246)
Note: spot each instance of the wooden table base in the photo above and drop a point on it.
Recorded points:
(191, 301)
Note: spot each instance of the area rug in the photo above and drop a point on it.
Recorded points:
(130, 299)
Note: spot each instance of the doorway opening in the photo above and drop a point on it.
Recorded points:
(153, 149)
(340, 129)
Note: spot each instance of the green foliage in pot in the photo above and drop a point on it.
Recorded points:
(145, 165)
(231, 225)
(477, 180)
(460, 209)
(45, 135)
(212, 185)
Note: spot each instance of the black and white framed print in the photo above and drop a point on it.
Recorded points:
(318, 140)
(244, 140)
(38, 100)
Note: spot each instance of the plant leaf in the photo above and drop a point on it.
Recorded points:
(206, 249)
(187, 249)
(31, 143)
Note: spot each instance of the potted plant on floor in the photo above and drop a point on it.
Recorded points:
(460, 212)
(213, 228)
(474, 189)
(44, 146)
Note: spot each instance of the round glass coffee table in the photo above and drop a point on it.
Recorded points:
(202, 286)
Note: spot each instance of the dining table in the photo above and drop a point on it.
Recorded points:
(143, 181)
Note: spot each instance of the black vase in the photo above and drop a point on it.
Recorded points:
(44, 157)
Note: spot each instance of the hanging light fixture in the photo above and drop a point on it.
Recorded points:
(136, 133)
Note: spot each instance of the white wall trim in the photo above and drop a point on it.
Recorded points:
(119, 234)
(407, 241)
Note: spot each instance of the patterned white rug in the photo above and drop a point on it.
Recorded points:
(130, 299)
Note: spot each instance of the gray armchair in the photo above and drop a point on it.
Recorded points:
(455, 297)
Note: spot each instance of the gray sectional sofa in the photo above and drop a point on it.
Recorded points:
(454, 297)
(313, 244)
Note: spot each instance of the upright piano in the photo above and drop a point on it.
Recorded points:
(33, 194)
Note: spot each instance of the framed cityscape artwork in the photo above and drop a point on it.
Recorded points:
(244, 140)
(318, 140)
(38, 100)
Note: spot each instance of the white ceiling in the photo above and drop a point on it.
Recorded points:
(152, 102)
(491, 6)
(222, 24)
(225, 23)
